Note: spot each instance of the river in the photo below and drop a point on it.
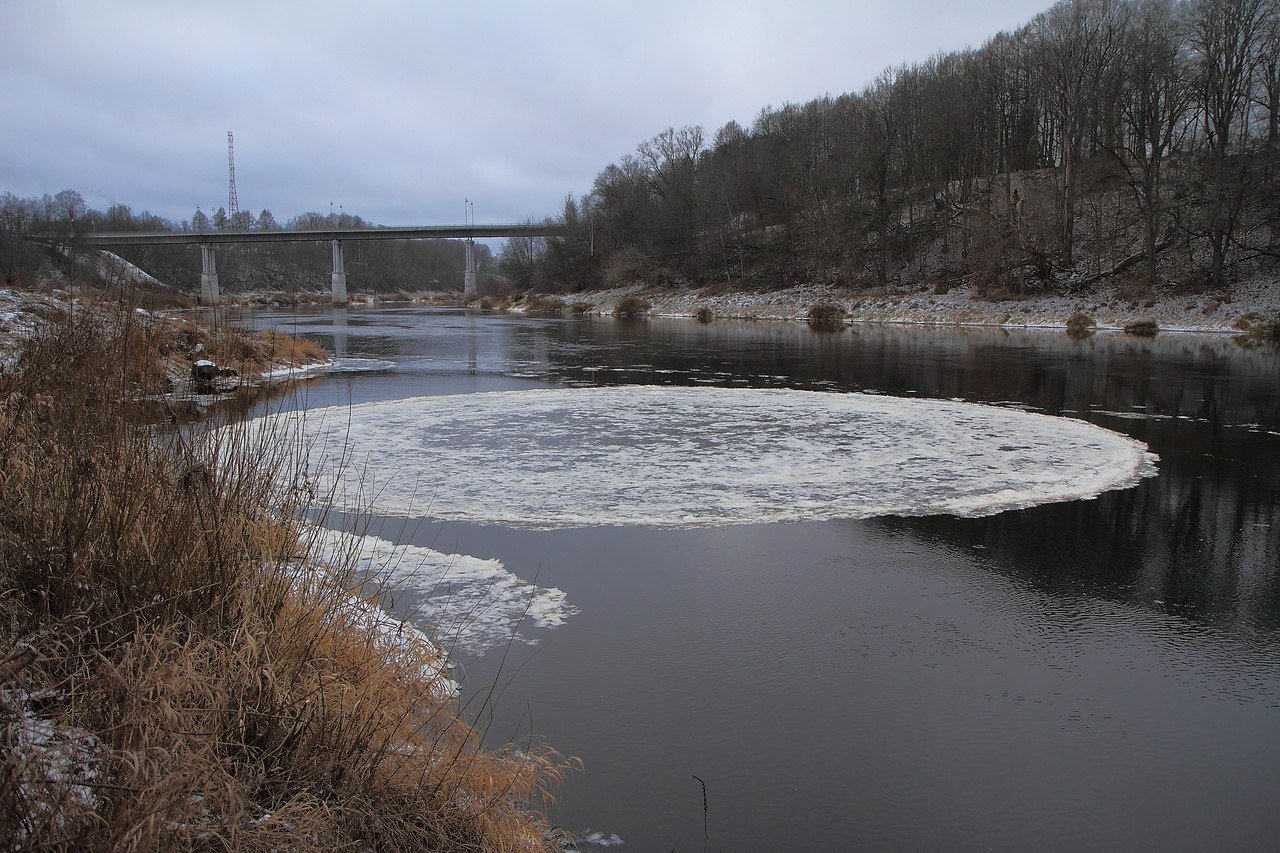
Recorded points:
(1100, 673)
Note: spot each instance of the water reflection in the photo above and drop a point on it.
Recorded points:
(1201, 541)
(339, 333)
(1047, 678)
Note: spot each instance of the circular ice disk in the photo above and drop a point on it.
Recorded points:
(694, 457)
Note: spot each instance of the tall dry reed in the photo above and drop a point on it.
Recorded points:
(175, 672)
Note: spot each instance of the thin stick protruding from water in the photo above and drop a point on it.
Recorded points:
(706, 834)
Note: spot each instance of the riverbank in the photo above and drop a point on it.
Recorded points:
(185, 664)
(1231, 311)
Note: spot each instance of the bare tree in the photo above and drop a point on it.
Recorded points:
(69, 206)
(669, 162)
(1154, 102)
(1224, 37)
(1080, 41)
(880, 134)
(1267, 92)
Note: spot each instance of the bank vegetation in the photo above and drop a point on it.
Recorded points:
(179, 668)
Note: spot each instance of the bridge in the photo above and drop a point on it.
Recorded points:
(208, 240)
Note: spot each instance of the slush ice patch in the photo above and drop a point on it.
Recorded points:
(470, 604)
(692, 457)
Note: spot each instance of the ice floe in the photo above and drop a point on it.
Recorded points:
(689, 457)
(470, 604)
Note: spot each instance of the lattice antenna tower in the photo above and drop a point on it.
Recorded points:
(233, 203)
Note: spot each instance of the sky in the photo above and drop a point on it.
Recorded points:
(402, 111)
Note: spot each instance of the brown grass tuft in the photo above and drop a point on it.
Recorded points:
(177, 673)
(1080, 325)
(543, 304)
(1260, 328)
(631, 307)
(1142, 328)
(826, 317)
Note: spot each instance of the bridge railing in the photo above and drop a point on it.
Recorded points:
(446, 232)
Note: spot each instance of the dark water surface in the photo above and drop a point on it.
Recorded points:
(1098, 674)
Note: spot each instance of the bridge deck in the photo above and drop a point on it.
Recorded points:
(451, 232)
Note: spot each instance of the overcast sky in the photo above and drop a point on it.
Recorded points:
(398, 111)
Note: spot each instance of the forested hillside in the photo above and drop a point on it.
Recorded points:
(1134, 141)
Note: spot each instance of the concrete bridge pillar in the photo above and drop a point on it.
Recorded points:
(469, 284)
(339, 277)
(208, 275)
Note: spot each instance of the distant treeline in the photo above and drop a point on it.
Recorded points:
(379, 266)
(1134, 138)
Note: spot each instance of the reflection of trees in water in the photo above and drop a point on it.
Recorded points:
(1194, 376)
(1203, 547)
(1201, 540)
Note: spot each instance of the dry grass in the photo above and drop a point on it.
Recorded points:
(249, 354)
(538, 303)
(1080, 325)
(1260, 328)
(1142, 328)
(176, 673)
(631, 307)
(826, 317)
(490, 303)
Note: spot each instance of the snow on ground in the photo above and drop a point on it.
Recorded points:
(20, 316)
(55, 766)
(295, 371)
(695, 457)
(1203, 312)
(118, 271)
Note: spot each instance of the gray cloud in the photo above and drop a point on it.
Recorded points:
(397, 111)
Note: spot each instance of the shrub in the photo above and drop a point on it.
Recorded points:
(580, 308)
(1080, 325)
(542, 304)
(825, 316)
(630, 265)
(630, 307)
(1142, 328)
(704, 315)
(1260, 328)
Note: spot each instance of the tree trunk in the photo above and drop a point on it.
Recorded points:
(1068, 210)
(1151, 213)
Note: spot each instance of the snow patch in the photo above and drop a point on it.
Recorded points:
(352, 364)
(55, 766)
(598, 839)
(295, 372)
